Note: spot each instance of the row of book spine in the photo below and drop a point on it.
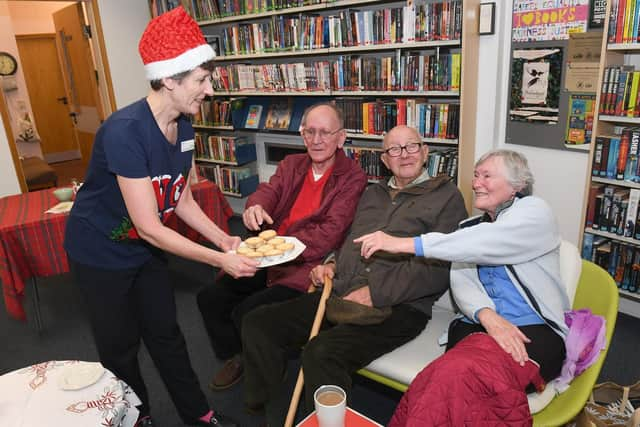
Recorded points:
(211, 9)
(443, 162)
(616, 156)
(436, 18)
(375, 117)
(216, 147)
(620, 260)
(429, 22)
(213, 112)
(369, 161)
(624, 21)
(408, 72)
(619, 92)
(614, 210)
(226, 177)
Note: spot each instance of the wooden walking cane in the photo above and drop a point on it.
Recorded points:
(317, 321)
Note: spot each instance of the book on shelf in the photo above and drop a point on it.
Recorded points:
(386, 71)
(594, 190)
(236, 180)
(254, 115)
(580, 123)
(632, 212)
(278, 116)
(624, 21)
(616, 156)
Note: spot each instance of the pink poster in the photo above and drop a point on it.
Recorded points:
(536, 21)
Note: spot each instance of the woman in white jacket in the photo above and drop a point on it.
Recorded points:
(505, 273)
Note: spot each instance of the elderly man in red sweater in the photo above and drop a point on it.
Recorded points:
(311, 196)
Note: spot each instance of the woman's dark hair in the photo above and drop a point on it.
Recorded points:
(157, 84)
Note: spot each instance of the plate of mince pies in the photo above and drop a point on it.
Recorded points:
(270, 249)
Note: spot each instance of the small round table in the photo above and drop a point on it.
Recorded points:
(32, 396)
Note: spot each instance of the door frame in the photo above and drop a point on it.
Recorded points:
(106, 94)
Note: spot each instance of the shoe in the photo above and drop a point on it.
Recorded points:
(145, 421)
(228, 375)
(218, 420)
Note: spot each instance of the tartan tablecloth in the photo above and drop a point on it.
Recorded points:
(31, 240)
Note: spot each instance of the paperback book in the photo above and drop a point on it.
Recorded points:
(253, 117)
(279, 116)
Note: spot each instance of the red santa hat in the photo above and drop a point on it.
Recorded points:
(173, 43)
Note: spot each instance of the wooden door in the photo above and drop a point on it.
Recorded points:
(79, 74)
(39, 60)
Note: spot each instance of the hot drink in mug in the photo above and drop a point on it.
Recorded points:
(331, 405)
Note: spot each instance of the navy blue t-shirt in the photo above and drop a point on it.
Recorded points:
(130, 144)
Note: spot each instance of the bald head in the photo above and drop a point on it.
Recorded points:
(404, 154)
(401, 133)
(324, 108)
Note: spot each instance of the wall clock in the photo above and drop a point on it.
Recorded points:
(8, 64)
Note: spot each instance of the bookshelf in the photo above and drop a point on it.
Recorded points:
(360, 51)
(611, 234)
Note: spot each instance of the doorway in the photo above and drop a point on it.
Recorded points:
(69, 103)
(49, 103)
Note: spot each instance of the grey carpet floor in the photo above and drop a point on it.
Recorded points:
(67, 336)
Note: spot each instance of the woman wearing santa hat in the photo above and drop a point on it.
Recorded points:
(116, 234)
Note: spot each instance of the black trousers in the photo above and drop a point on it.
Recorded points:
(270, 333)
(546, 347)
(125, 306)
(224, 303)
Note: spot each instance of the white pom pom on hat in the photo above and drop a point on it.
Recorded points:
(173, 43)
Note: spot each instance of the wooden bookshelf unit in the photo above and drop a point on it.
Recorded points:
(611, 233)
(380, 60)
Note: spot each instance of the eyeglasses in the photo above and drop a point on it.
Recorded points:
(396, 150)
(310, 134)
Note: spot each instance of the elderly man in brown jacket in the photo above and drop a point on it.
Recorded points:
(397, 291)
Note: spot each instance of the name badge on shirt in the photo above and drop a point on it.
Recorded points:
(187, 145)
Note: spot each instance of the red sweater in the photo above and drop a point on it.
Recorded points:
(308, 199)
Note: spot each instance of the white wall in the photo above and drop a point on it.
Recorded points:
(34, 17)
(123, 22)
(560, 175)
(8, 179)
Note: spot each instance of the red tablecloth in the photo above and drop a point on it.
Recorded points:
(31, 240)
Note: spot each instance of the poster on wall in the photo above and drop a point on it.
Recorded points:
(536, 76)
(597, 13)
(540, 20)
(580, 122)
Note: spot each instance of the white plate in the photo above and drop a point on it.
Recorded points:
(298, 248)
(80, 375)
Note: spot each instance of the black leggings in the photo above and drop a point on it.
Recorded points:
(546, 347)
(128, 306)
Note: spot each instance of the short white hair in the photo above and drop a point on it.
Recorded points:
(517, 169)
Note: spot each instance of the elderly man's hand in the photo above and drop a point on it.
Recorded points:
(254, 216)
(319, 272)
(362, 296)
(507, 335)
